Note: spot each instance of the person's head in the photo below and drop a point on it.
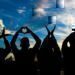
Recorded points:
(25, 43)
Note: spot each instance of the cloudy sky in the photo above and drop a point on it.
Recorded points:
(34, 14)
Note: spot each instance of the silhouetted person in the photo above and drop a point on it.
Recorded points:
(50, 55)
(4, 52)
(68, 49)
(25, 56)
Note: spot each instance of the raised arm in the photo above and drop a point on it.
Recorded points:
(44, 44)
(38, 41)
(7, 45)
(13, 41)
(49, 33)
(46, 38)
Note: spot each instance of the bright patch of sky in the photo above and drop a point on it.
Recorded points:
(18, 13)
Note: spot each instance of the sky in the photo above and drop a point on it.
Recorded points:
(34, 14)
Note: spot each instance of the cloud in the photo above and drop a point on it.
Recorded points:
(9, 32)
(61, 3)
(1, 23)
(58, 34)
(6, 30)
(66, 4)
(40, 12)
(61, 32)
(21, 10)
(43, 5)
(67, 19)
(69, 4)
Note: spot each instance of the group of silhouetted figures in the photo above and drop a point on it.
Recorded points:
(44, 58)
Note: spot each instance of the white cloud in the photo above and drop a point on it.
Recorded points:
(61, 3)
(42, 5)
(6, 30)
(69, 4)
(45, 4)
(20, 11)
(40, 12)
(1, 26)
(1, 23)
(67, 19)
(63, 31)
(9, 32)
(60, 36)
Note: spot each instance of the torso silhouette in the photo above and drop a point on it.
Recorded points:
(68, 48)
(25, 56)
(20, 56)
(25, 60)
(50, 55)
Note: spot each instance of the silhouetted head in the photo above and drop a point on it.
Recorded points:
(25, 43)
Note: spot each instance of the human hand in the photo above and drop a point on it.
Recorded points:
(47, 29)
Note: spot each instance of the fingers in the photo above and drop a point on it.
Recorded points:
(53, 29)
(24, 30)
(47, 29)
(28, 30)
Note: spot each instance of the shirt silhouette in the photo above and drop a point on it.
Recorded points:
(68, 48)
(25, 56)
(50, 55)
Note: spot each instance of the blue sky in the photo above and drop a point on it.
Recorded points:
(18, 13)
